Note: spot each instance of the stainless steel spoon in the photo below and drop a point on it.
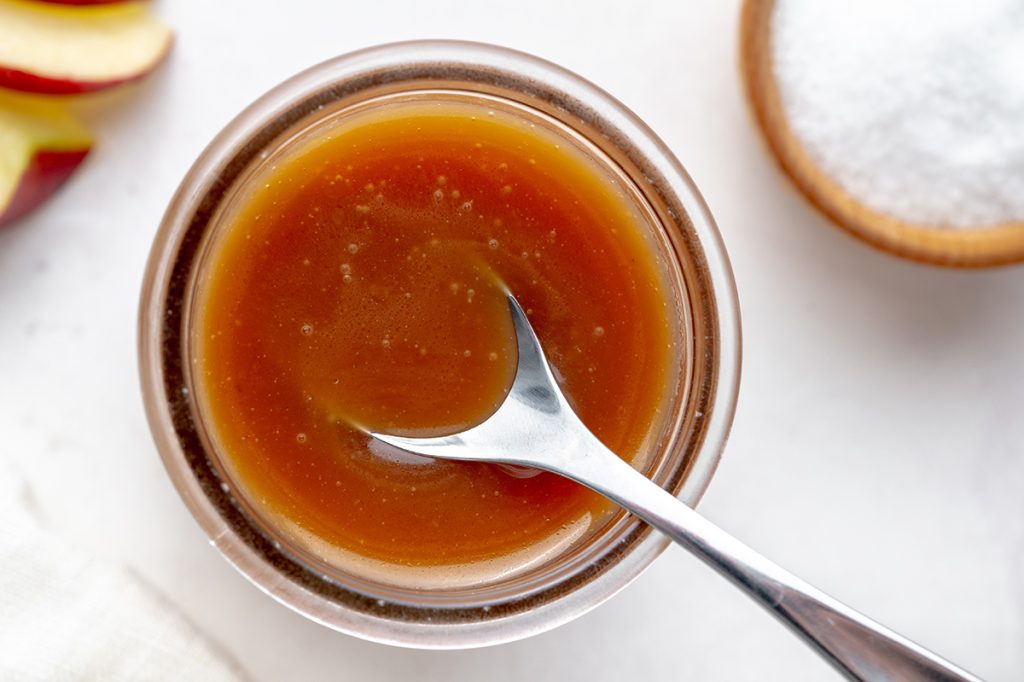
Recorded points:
(535, 427)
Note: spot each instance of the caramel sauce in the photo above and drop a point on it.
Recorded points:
(359, 285)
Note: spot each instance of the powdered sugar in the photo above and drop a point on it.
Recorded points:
(915, 107)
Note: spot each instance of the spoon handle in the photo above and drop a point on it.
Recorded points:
(857, 646)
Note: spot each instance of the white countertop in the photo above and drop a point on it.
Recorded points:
(878, 448)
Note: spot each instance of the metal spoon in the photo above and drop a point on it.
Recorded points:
(535, 427)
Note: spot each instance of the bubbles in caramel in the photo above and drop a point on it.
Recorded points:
(358, 284)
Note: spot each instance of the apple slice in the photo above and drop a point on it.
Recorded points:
(40, 146)
(60, 50)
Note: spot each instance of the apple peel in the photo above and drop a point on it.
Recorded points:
(40, 147)
(59, 49)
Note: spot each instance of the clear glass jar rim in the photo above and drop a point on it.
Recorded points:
(413, 59)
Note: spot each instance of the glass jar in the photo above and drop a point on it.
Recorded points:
(688, 442)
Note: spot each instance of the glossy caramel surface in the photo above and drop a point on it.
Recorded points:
(358, 283)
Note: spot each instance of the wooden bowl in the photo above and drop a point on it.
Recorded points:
(966, 248)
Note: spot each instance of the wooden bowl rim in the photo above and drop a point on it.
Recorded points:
(965, 248)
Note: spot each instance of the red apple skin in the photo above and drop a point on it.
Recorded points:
(46, 172)
(40, 83)
(23, 81)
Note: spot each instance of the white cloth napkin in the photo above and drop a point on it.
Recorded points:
(67, 616)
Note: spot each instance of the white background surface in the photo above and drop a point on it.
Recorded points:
(878, 448)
